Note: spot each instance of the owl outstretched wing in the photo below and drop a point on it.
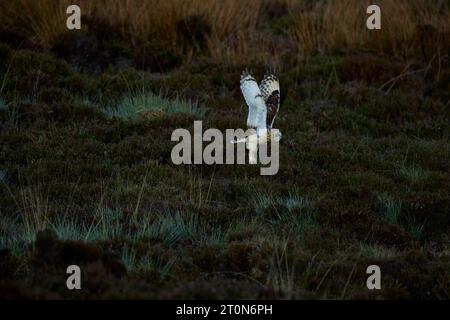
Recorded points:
(270, 90)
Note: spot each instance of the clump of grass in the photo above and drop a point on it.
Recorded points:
(129, 258)
(262, 202)
(294, 201)
(134, 263)
(8, 227)
(281, 275)
(171, 228)
(15, 243)
(107, 224)
(11, 235)
(199, 193)
(415, 229)
(293, 210)
(391, 209)
(33, 207)
(392, 212)
(245, 227)
(159, 265)
(414, 174)
(104, 226)
(69, 228)
(377, 251)
(35, 212)
(301, 221)
(300, 213)
(149, 105)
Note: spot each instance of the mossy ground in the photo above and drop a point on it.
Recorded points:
(364, 178)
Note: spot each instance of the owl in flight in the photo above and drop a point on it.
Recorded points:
(263, 104)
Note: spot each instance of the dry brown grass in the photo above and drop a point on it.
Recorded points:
(248, 48)
(43, 18)
(341, 24)
(137, 17)
(238, 33)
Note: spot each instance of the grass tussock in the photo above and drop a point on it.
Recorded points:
(146, 105)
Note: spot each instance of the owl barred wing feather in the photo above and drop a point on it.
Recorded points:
(270, 90)
(263, 102)
(257, 112)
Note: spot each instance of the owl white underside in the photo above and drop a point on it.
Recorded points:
(259, 99)
(257, 112)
